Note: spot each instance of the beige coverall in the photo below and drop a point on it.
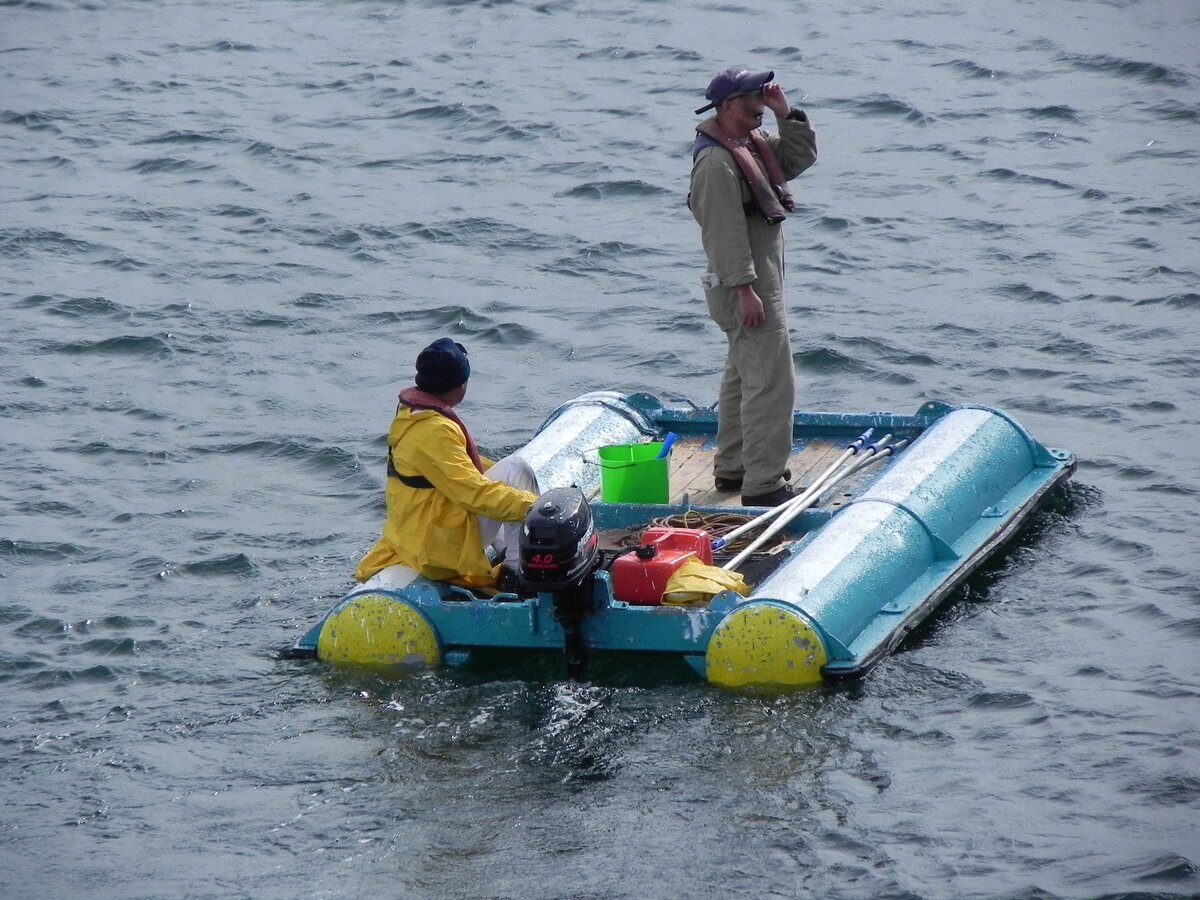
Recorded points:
(758, 389)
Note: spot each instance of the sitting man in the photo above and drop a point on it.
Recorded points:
(446, 504)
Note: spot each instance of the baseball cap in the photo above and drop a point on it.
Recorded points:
(737, 80)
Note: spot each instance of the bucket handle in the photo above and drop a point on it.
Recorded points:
(667, 444)
(628, 465)
(591, 455)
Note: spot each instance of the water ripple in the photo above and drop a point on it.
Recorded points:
(1057, 113)
(603, 190)
(1151, 73)
(1009, 175)
(972, 69)
(184, 137)
(882, 106)
(35, 551)
(124, 345)
(25, 242)
(154, 165)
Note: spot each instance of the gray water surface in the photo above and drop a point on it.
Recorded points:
(226, 230)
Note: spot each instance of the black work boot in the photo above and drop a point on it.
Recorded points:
(729, 485)
(777, 497)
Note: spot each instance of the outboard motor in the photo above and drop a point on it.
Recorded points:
(559, 552)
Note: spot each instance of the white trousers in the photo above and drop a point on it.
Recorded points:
(515, 472)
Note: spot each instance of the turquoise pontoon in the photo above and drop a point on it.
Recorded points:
(844, 582)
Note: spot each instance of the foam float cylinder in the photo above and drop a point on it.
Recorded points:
(380, 632)
(873, 551)
(764, 642)
(598, 419)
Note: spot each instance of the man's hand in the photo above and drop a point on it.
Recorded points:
(775, 100)
(751, 304)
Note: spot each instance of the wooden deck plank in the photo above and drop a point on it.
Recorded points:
(691, 472)
(691, 466)
(810, 461)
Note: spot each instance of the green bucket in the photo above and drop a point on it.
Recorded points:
(630, 473)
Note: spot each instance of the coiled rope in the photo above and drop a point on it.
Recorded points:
(716, 524)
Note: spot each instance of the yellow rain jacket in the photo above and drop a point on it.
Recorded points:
(434, 530)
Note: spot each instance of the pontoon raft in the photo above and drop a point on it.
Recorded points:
(845, 582)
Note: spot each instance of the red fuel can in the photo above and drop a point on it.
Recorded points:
(641, 577)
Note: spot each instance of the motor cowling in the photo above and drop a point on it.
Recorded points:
(559, 546)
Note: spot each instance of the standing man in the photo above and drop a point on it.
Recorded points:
(740, 198)
(449, 509)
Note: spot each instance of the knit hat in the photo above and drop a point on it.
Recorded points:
(442, 366)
